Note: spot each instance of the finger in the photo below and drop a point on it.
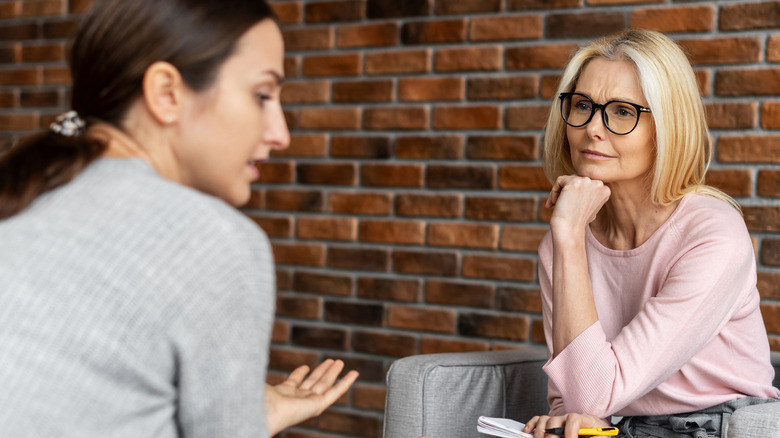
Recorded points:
(315, 375)
(296, 377)
(336, 391)
(330, 376)
(531, 424)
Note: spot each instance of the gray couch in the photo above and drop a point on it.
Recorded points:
(442, 395)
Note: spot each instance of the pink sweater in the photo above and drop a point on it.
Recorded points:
(679, 326)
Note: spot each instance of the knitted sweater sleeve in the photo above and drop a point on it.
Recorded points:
(709, 273)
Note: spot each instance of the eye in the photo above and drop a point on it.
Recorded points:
(263, 97)
(581, 105)
(624, 111)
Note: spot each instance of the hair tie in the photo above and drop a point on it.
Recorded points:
(68, 124)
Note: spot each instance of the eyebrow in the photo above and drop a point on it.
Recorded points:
(276, 75)
(622, 99)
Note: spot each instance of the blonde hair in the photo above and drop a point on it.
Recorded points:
(683, 144)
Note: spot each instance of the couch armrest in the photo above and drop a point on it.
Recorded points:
(442, 395)
(757, 421)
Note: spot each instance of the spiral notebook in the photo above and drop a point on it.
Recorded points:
(503, 427)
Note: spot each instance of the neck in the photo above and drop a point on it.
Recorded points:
(629, 218)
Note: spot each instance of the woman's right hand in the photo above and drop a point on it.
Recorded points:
(577, 200)
(571, 422)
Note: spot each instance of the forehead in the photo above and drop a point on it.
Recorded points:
(604, 79)
(259, 50)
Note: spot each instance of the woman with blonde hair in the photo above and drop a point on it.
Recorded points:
(648, 275)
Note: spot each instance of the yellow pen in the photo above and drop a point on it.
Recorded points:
(593, 431)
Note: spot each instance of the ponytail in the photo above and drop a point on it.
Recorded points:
(42, 163)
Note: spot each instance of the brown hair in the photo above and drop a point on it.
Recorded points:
(115, 44)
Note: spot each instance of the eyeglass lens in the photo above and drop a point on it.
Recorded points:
(620, 117)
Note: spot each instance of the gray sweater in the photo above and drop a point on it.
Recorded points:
(131, 306)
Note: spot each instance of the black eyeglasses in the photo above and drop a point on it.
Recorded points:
(619, 116)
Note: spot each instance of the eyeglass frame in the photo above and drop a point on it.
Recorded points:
(639, 108)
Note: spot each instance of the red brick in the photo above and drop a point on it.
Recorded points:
(306, 254)
(398, 8)
(703, 80)
(477, 177)
(465, 235)
(363, 91)
(527, 118)
(360, 147)
(288, 359)
(11, 54)
(280, 333)
(749, 148)
(505, 147)
(349, 423)
(10, 9)
(427, 89)
(514, 87)
(276, 172)
(426, 262)
(18, 122)
(737, 50)
(459, 294)
(501, 208)
(773, 49)
(519, 300)
(537, 332)
(392, 231)
(29, 99)
(37, 8)
(384, 344)
(433, 32)
(296, 306)
(675, 19)
(304, 145)
(370, 369)
(499, 268)
(327, 228)
(446, 7)
(770, 115)
(360, 203)
(735, 182)
(521, 238)
(306, 92)
(16, 32)
(321, 283)
(751, 82)
(584, 25)
(21, 76)
(256, 199)
(486, 325)
(342, 64)
(407, 61)
(422, 319)
(389, 289)
(392, 175)
(480, 58)
(429, 148)
(339, 174)
(43, 52)
(60, 29)
(56, 75)
(330, 118)
(294, 200)
(320, 337)
(292, 66)
(550, 84)
(288, 12)
(762, 218)
(349, 10)
(769, 285)
(745, 15)
(396, 118)
(769, 183)
(9, 99)
(284, 278)
(514, 5)
(539, 57)
(731, 115)
(274, 226)
(523, 178)
(514, 27)
(429, 205)
(621, 2)
(308, 38)
(771, 314)
(770, 252)
(367, 35)
(359, 259)
(371, 397)
(430, 345)
(467, 117)
(344, 312)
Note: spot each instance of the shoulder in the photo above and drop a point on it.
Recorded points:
(703, 216)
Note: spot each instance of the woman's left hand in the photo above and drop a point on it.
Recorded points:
(301, 397)
(571, 422)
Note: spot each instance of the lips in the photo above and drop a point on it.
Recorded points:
(595, 155)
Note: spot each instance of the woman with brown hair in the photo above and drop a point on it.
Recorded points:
(136, 300)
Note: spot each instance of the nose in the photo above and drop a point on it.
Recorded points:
(596, 127)
(277, 136)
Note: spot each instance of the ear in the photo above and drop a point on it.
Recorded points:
(163, 92)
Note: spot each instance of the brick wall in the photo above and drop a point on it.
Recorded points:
(406, 213)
